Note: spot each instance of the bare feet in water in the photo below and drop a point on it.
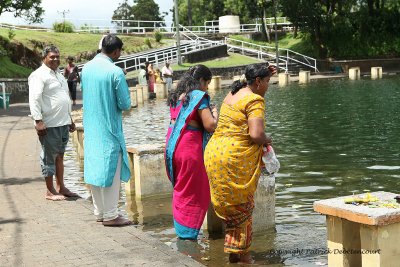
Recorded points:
(241, 258)
(54, 196)
(66, 192)
(117, 222)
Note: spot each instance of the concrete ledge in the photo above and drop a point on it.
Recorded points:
(148, 174)
(360, 214)
(146, 149)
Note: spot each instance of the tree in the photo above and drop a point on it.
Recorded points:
(30, 10)
(200, 11)
(123, 12)
(147, 10)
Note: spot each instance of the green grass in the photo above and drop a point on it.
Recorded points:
(287, 41)
(71, 44)
(231, 61)
(11, 70)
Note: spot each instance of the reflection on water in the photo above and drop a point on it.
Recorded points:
(332, 137)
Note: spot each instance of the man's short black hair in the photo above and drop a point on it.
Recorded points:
(48, 49)
(111, 43)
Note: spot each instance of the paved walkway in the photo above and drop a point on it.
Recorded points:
(37, 232)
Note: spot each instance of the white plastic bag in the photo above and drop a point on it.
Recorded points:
(270, 160)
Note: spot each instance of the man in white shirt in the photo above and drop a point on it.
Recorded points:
(167, 76)
(50, 107)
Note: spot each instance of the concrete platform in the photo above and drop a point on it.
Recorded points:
(38, 232)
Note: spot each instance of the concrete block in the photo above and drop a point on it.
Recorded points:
(354, 73)
(376, 73)
(215, 83)
(174, 84)
(149, 176)
(139, 95)
(361, 235)
(284, 79)
(133, 94)
(380, 245)
(161, 90)
(145, 92)
(263, 213)
(304, 77)
(78, 140)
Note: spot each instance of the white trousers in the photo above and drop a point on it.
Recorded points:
(105, 199)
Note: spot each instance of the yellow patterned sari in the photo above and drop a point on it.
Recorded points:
(233, 164)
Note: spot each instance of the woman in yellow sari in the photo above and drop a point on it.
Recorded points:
(233, 158)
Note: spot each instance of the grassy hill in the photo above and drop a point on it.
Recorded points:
(70, 44)
(73, 44)
(11, 70)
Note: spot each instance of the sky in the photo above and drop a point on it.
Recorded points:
(92, 12)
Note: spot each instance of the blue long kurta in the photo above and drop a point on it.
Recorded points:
(105, 96)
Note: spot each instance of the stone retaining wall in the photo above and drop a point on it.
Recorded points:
(387, 64)
(18, 89)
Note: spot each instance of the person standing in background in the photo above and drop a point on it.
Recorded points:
(167, 73)
(142, 75)
(152, 78)
(71, 73)
(105, 96)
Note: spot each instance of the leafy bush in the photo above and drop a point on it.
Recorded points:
(11, 34)
(65, 26)
(147, 42)
(158, 36)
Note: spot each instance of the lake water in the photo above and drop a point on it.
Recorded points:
(333, 138)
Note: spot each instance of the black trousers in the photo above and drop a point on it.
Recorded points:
(72, 89)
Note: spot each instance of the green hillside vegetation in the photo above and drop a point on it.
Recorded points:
(74, 43)
(11, 70)
(231, 61)
(70, 44)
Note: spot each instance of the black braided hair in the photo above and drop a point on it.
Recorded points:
(251, 72)
(189, 81)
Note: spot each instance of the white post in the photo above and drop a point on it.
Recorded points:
(3, 85)
(284, 79)
(354, 73)
(376, 73)
(304, 77)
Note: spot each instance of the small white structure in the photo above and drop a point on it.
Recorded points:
(161, 90)
(134, 98)
(229, 24)
(354, 73)
(284, 79)
(304, 77)
(376, 73)
(215, 83)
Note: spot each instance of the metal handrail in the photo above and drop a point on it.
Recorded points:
(285, 56)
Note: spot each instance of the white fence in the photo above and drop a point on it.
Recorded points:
(142, 26)
(286, 57)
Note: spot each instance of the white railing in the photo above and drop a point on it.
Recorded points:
(285, 56)
(160, 56)
(142, 26)
(13, 27)
(127, 26)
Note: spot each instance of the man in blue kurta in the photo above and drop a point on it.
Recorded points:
(105, 96)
